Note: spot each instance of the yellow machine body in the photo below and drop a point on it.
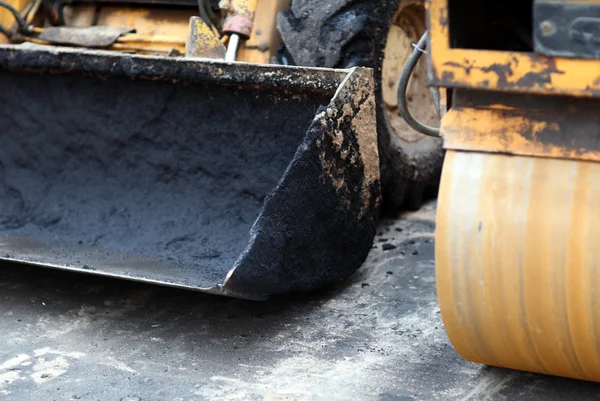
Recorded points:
(508, 71)
(518, 211)
(163, 30)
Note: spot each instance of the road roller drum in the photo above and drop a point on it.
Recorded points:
(517, 264)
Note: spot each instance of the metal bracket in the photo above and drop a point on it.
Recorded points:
(202, 41)
(93, 36)
(567, 29)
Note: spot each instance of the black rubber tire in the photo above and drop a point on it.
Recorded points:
(350, 33)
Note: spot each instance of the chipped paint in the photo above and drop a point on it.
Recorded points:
(554, 129)
(202, 41)
(506, 71)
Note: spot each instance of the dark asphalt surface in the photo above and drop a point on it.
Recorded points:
(376, 337)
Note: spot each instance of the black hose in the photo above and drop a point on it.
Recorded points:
(207, 15)
(212, 16)
(403, 85)
(203, 13)
(53, 14)
(23, 27)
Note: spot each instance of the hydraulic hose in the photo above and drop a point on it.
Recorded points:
(403, 85)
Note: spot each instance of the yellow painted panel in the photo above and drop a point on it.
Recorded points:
(265, 37)
(504, 71)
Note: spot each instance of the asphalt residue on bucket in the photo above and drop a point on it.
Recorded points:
(166, 170)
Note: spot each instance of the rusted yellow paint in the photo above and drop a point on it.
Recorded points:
(242, 7)
(202, 41)
(265, 38)
(504, 71)
(408, 25)
(79, 15)
(516, 261)
(160, 30)
(6, 18)
(497, 130)
(398, 48)
(155, 22)
(516, 253)
(157, 30)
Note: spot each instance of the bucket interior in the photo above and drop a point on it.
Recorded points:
(160, 175)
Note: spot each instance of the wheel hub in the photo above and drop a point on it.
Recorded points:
(407, 27)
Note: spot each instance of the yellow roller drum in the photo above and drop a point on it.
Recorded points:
(518, 262)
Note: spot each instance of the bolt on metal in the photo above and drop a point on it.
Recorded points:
(548, 28)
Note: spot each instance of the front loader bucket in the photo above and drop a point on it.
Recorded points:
(230, 178)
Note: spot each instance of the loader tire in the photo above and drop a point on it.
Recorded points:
(350, 33)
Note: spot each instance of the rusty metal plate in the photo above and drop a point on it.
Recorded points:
(567, 29)
(93, 36)
(543, 126)
(504, 71)
(202, 41)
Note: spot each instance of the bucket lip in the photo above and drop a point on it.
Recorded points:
(37, 58)
(217, 289)
(100, 262)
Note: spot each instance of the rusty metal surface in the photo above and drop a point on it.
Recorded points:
(266, 38)
(187, 173)
(63, 60)
(516, 261)
(168, 3)
(507, 71)
(163, 30)
(239, 16)
(555, 127)
(93, 36)
(158, 30)
(202, 41)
